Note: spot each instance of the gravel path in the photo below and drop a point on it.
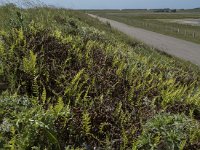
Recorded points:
(177, 47)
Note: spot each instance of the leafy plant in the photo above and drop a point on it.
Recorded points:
(170, 132)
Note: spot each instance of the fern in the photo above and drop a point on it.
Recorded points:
(75, 86)
(124, 139)
(13, 140)
(29, 63)
(35, 86)
(131, 93)
(58, 34)
(2, 51)
(44, 95)
(59, 106)
(182, 145)
(20, 34)
(102, 126)
(86, 123)
(91, 90)
(53, 138)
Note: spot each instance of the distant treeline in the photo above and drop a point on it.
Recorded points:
(152, 10)
(164, 10)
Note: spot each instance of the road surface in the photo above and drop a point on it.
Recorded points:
(183, 49)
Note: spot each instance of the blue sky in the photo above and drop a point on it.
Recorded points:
(120, 4)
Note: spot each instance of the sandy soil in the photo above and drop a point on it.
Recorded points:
(183, 49)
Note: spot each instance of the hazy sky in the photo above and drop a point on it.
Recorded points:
(97, 4)
(120, 4)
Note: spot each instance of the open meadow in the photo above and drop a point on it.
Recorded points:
(70, 82)
(181, 24)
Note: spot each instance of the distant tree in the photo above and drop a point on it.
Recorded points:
(166, 10)
(173, 10)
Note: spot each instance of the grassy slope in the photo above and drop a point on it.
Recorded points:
(75, 82)
(149, 21)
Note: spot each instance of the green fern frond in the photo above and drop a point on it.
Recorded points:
(29, 63)
(20, 35)
(53, 138)
(86, 123)
(2, 51)
(59, 106)
(77, 77)
(74, 84)
(35, 87)
(13, 140)
(44, 95)
(57, 34)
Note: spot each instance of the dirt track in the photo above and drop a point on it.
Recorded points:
(179, 48)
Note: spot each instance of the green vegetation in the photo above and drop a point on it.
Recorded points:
(71, 82)
(154, 22)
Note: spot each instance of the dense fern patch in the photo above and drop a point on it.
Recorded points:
(70, 85)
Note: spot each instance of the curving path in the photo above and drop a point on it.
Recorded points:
(173, 46)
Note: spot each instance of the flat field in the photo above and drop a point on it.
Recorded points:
(183, 24)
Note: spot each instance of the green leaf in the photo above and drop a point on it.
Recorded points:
(52, 137)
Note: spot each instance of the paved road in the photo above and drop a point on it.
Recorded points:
(177, 47)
